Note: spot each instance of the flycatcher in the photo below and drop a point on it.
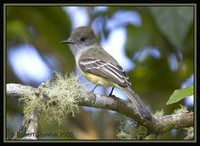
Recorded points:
(100, 67)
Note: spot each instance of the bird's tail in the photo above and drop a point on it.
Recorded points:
(139, 104)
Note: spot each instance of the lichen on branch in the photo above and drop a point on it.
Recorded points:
(60, 97)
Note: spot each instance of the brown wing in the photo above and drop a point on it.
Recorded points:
(105, 69)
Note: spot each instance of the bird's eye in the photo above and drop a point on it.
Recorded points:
(83, 39)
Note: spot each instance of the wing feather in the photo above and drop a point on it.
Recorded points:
(105, 69)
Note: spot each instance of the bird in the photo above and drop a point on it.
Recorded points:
(100, 67)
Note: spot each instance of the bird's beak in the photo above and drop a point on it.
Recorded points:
(67, 42)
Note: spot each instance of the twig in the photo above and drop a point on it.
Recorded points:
(31, 131)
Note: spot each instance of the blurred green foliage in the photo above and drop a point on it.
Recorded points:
(169, 29)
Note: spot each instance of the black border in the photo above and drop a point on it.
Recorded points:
(103, 2)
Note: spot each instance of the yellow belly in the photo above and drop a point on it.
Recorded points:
(98, 80)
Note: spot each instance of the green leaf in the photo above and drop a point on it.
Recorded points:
(174, 23)
(180, 94)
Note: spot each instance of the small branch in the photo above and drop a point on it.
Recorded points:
(21, 128)
(32, 126)
(157, 125)
(18, 90)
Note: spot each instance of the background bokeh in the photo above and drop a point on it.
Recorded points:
(155, 45)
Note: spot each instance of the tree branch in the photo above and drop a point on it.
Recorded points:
(18, 90)
(156, 126)
(160, 125)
